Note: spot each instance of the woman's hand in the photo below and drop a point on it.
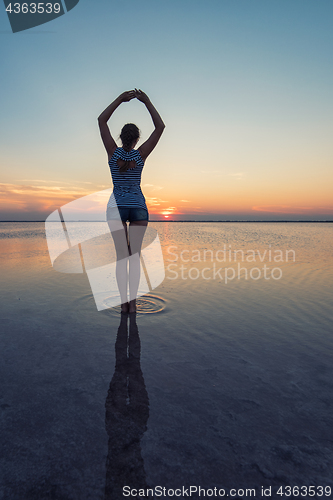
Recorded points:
(127, 96)
(141, 96)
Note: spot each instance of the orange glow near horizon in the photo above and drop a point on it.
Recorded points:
(41, 197)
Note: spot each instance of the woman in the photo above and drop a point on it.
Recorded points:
(127, 200)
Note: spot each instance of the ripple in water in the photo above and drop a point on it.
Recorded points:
(147, 304)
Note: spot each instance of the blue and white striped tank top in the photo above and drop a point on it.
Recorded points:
(126, 185)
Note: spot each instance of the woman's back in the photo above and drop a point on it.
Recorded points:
(126, 185)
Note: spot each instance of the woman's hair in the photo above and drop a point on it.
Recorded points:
(129, 133)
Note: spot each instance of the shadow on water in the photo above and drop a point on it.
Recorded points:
(127, 413)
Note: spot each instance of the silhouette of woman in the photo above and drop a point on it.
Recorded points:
(126, 414)
(127, 201)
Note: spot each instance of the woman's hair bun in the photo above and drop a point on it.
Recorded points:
(129, 133)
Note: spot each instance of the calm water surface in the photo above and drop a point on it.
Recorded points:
(223, 378)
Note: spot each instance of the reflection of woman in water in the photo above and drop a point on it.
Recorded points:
(127, 413)
(127, 200)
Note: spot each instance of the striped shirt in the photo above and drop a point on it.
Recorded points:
(126, 185)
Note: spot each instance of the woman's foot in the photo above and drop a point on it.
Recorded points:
(125, 307)
(132, 306)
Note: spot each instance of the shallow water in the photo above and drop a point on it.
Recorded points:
(232, 387)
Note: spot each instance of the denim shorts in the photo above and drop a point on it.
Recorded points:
(130, 214)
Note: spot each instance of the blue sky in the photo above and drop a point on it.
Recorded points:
(244, 87)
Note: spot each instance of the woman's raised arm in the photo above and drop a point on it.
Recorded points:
(108, 141)
(147, 147)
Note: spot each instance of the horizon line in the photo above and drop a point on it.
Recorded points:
(184, 220)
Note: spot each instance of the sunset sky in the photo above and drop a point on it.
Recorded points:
(244, 87)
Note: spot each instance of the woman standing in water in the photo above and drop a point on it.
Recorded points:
(127, 201)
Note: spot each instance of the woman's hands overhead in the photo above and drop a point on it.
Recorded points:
(132, 94)
(127, 96)
(141, 96)
(109, 142)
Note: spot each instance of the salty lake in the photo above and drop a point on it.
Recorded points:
(224, 378)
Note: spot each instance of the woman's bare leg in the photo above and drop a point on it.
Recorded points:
(120, 239)
(137, 231)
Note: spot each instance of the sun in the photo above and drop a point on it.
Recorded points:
(166, 216)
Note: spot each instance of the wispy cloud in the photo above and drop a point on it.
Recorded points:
(43, 181)
(153, 187)
(153, 201)
(219, 173)
(287, 209)
(157, 206)
(169, 211)
(185, 201)
(237, 175)
(64, 183)
(37, 198)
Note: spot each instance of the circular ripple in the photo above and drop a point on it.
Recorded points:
(148, 304)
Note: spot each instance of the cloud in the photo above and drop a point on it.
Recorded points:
(218, 173)
(237, 175)
(26, 198)
(154, 201)
(185, 201)
(153, 187)
(156, 205)
(287, 209)
(170, 211)
(43, 181)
